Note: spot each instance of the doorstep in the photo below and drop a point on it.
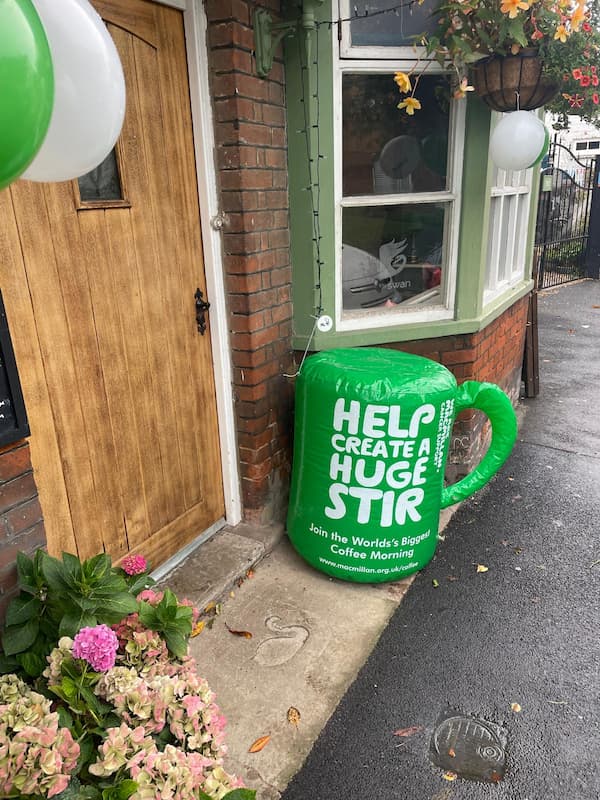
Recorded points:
(211, 570)
(305, 638)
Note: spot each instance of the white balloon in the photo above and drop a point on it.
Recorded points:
(518, 141)
(89, 94)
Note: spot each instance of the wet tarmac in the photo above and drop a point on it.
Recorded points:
(495, 673)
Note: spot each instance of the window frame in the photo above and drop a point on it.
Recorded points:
(369, 319)
(518, 222)
(349, 51)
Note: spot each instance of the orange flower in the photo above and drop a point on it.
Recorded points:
(403, 81)
(512, 7)
(462, 89)
(561, 33)
(411, 104)
(578, 16)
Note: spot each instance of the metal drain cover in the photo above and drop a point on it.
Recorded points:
(473, 748)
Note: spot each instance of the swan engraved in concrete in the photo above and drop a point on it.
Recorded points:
(283, 646)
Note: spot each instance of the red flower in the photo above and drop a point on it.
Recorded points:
(585, 80)
(593, 70)
(587, 27)
(576, 101)
(595, 80)
(577, 74)
(595, 98)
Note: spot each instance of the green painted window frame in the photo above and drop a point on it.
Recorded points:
(309, 62)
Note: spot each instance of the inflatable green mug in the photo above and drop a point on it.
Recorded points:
(372, 433)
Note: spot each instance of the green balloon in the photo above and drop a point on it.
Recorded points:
(26, 87)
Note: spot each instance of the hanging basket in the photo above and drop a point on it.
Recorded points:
(508, 83)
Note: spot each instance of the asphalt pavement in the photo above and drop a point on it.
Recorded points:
(485, 683)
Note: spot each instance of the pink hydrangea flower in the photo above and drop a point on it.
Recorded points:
(134, 565)
(98, 646)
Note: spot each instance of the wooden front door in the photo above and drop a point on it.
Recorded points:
(99, 278)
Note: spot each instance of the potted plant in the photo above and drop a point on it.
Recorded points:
(512, 51)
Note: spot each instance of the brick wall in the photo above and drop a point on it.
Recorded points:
(251, 160)
(493, 354)
(21, 525)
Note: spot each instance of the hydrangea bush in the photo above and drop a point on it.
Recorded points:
(118, 711)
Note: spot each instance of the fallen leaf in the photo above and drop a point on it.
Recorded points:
(452, 752)
(518, 551)
(258, 745)
(250, 573)
(595, 306)
(218, 608)
(293, 715)
(435, 583)
(571, 330)
(482, 568)
(449, 776)
(210, 607)
(231, 594)
(405, 732)
(495, 777)
(198, 628)
(210, 623)
(515, 707)
(451, 577)
(244, 634)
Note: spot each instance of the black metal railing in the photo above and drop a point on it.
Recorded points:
(563, 219)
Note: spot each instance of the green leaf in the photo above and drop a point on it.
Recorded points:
(241, 794)
(97, 567)
(21, 609)
(54, 573)
(8, 664)
(140, 583)
(72, 567)
(73, 621)
(25, 568)
(65, 720)
(118, 606)
(32, 663)
(17, 638)
(177, 643)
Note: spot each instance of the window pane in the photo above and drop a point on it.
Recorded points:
(102, 183)
(392, 255)
(395, 29)
(386, 151)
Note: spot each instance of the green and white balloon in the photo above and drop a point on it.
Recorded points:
(26, 87)
(519, 141)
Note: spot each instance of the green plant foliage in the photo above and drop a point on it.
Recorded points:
(171, 620)
(58, 598)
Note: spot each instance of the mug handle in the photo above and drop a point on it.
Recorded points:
(490, 399)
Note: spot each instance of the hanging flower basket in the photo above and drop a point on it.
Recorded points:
(508, 83)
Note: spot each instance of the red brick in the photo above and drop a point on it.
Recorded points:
(255, 133)
(273, 199)
(246, 323)
(238, 200)
(257, 440)
(24, 516)
(247, 179)
(459, 356)
(241, 284)
(247, 341)
(255, 455)
(276, 159)
(279, 238)
(273, 115)
(241, 243)
(256, 471)
(252, 377)
(253, 424)
(222, 34)
(14, 462)
(230, 59)
(237, 108)
(250, 358)
(228, 9)
(251, 221)
(17, 491)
